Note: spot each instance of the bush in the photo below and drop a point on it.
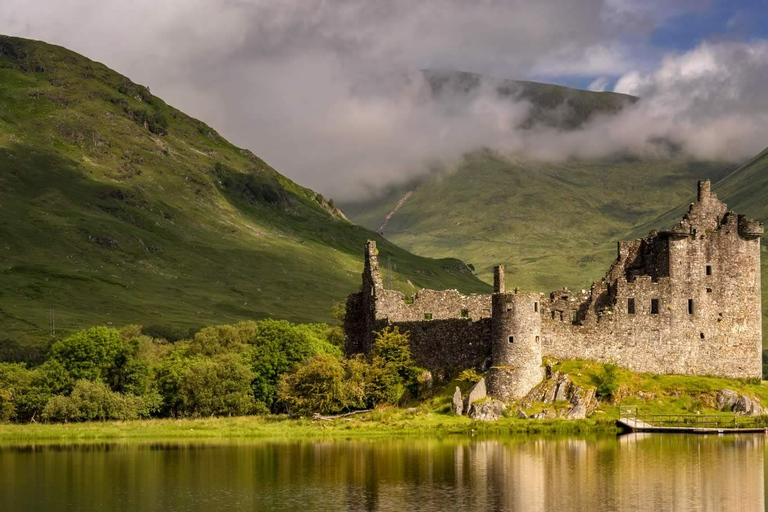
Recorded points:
(607, 382)
(94, 401)
(470, 376)
(318, 386)
(15, 381)
(217, 387)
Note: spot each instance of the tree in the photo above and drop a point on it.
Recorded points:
(220, 386)
(93, 354)
(279, 348)
(318, 386)
(94, 401)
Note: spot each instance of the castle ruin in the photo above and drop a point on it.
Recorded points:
(682, 301)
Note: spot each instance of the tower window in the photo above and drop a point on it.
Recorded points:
(709, 290)
(631, 306)
(553, 315)
(690, 306)
(537, 339)
(701, 335)
(709, 270)
(654, 306)
(509, 307)
(511, 339)
(536, 307)
(464, 313)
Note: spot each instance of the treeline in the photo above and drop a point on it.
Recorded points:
(269, 366)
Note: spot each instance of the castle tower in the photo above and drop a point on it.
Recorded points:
(516, 342)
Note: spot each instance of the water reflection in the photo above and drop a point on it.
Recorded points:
(697, 473)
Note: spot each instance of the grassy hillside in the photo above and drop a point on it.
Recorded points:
(117, 208)
(553, 225)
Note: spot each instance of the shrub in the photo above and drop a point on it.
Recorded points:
(607, 382)
(470, 375)
(15, 381)
(94, 401)
(318, 386)
(217, 387)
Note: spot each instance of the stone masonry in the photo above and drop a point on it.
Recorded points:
(684, 301)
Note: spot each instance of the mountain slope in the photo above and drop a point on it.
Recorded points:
(117, 208)
(552, 224)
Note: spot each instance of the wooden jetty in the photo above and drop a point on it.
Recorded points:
(631, 419)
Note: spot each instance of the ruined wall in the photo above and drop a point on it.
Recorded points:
(703, 276)
(706, 284)
(449, 331)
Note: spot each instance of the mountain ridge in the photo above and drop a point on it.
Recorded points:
(118, 208)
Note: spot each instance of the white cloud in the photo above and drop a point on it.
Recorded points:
(600, 84)
(325, 90)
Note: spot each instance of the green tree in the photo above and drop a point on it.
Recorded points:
(608, 381)
(317, 386)
(93, 354)
(279, 348)
(15, 381)
(219, 386)
(94, 401)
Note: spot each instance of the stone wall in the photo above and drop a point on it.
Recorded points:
(683, 301)
(704, 276)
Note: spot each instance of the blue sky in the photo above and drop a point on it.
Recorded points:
(682, 30)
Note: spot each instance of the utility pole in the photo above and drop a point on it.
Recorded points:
(52, 321)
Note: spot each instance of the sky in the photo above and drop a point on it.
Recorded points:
(329, 93)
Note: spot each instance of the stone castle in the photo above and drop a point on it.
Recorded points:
(683, 301)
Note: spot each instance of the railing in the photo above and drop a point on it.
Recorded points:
(720, 421)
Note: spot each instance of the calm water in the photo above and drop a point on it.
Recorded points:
(521, 474)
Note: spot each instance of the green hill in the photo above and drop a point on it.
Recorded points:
(552, 225)
(117, 208)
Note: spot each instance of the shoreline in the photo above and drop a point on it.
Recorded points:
(374, 425)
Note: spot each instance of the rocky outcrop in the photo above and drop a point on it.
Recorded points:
(559, 388)
(487, 410)
(476, 392)
(457, 406)
(730, 400)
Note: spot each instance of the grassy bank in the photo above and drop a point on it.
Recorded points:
(386, 423)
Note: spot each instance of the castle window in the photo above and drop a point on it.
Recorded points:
(509, 307)
(464, 313)
(561, 315)
(427, 316)
(536, 307)
(701, 335)
(690, 306)
(709, 290)
(709, 270)
(553, 315)
(564, 297)
(575, 317)
(511, 339)
(631, 306)
(654, 306)
(537, 339)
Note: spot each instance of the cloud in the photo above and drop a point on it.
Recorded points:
(599, 84)
(329, 92)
